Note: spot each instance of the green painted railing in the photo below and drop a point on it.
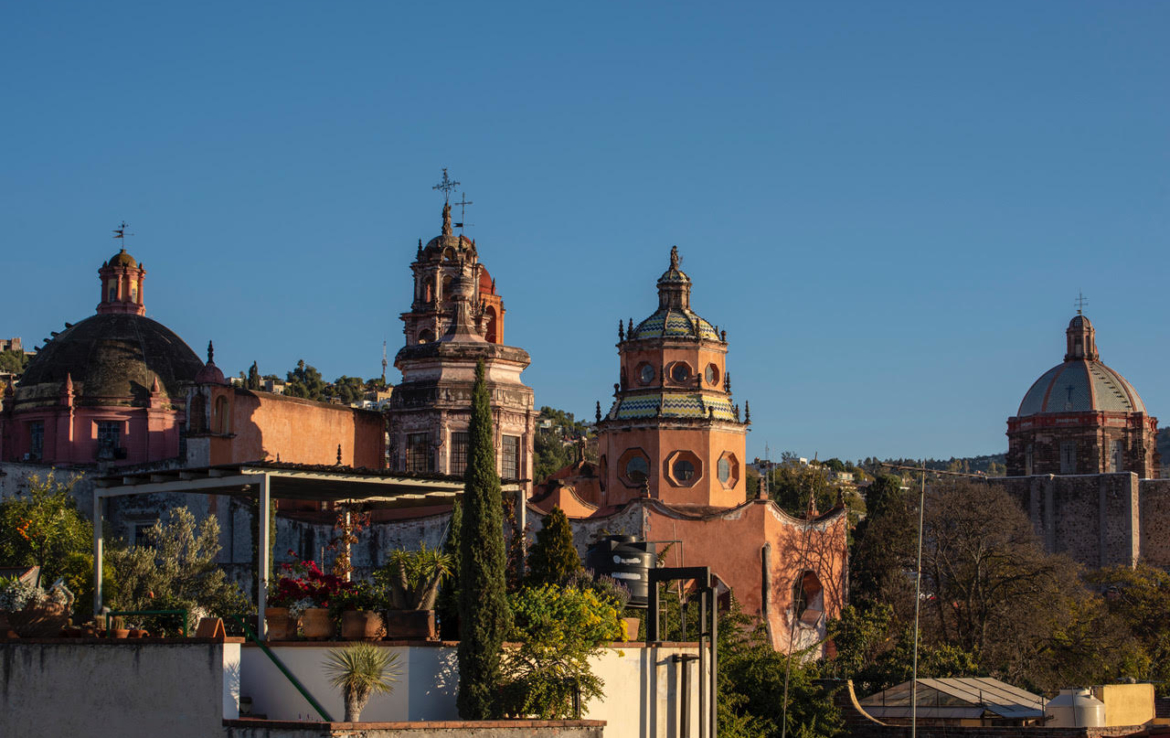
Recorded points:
(118, 613)
(283, 669)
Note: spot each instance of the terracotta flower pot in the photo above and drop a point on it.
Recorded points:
(633, 625)
(121, 632)
(316, 624)
(281, 625)
(410, 625)
(361, 626)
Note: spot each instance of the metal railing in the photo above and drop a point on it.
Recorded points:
(243, 623)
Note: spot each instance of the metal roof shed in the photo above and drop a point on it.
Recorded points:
(265, 481)
(950, 700)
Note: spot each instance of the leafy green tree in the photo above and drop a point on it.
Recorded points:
(558, 629)
(41, 526)
(13, 362)
(1140, 598)
(791, 484)
(553, 558)
(884, 543)
(177, 570)
(348, 390)
(751, 687)
(306, 382)
(484, 615)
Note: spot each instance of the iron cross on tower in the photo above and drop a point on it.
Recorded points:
(1080, 302)
(446, 186)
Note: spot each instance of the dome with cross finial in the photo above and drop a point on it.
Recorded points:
(1082, 417)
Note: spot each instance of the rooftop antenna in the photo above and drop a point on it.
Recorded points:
(383, 362)
(446, 186)
(463, 203)
(1080, 302)
(120, 233)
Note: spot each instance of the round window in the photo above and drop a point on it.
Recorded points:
(684, 470)
(680, 372)
(646, 374)
(712, 374)
(724, 470)
(637, 469)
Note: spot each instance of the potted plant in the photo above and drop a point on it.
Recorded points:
(359, 670)
(32, 611)
(118, 628)
(306, 592)
(411, 580)
(360, 610)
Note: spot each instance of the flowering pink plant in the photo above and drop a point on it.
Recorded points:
(302, 580)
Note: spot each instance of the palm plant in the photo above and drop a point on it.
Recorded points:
(413, 577)
(360, 670)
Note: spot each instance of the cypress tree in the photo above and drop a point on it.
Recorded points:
(484, 616)
(553, 557)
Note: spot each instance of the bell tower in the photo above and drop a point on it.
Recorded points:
(672, 432)
(122, 279)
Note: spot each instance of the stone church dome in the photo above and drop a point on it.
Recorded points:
(674, 317)
(111, 359)
(1082, 383)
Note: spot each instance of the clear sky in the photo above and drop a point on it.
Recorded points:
(890, 207)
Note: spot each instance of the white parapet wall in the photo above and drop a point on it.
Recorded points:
(110, 688)
(642, 686)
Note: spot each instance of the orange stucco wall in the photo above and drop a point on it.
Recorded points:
(732, 545)
(265, 426)
(660, 445)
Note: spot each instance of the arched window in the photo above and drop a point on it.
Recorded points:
(490, 321)
(446, 295)
(425, 336)
(808, 599)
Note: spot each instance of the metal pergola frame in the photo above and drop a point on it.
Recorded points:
(266, 481)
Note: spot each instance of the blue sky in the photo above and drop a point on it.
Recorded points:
(889, 206)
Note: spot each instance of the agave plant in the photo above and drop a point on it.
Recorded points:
(413, 577)
(360, 670)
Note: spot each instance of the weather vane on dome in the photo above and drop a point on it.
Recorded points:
(1080, 302)
(120, 232)
(446, 186)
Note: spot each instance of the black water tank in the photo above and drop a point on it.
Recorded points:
(627, 560)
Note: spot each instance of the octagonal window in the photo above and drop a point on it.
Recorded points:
(724, 470)
(712, 374)
(637, 469)
(684, 470)
(646, 374)
(680, 372)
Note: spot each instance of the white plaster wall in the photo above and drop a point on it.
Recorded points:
(177, 690)
(641, 688)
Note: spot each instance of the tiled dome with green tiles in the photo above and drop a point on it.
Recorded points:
(674, 317)
(671, 405)
(674, 323)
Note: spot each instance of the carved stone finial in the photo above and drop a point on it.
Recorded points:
(446, 219)
(723, 336)
(727, 383)
(674, 257)
(747, 412)
(616, 388)
(418, 254)
(630, 332)
(210, 352)
(621, 331)
(339, 454)
(154, 388)
(599, 411)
